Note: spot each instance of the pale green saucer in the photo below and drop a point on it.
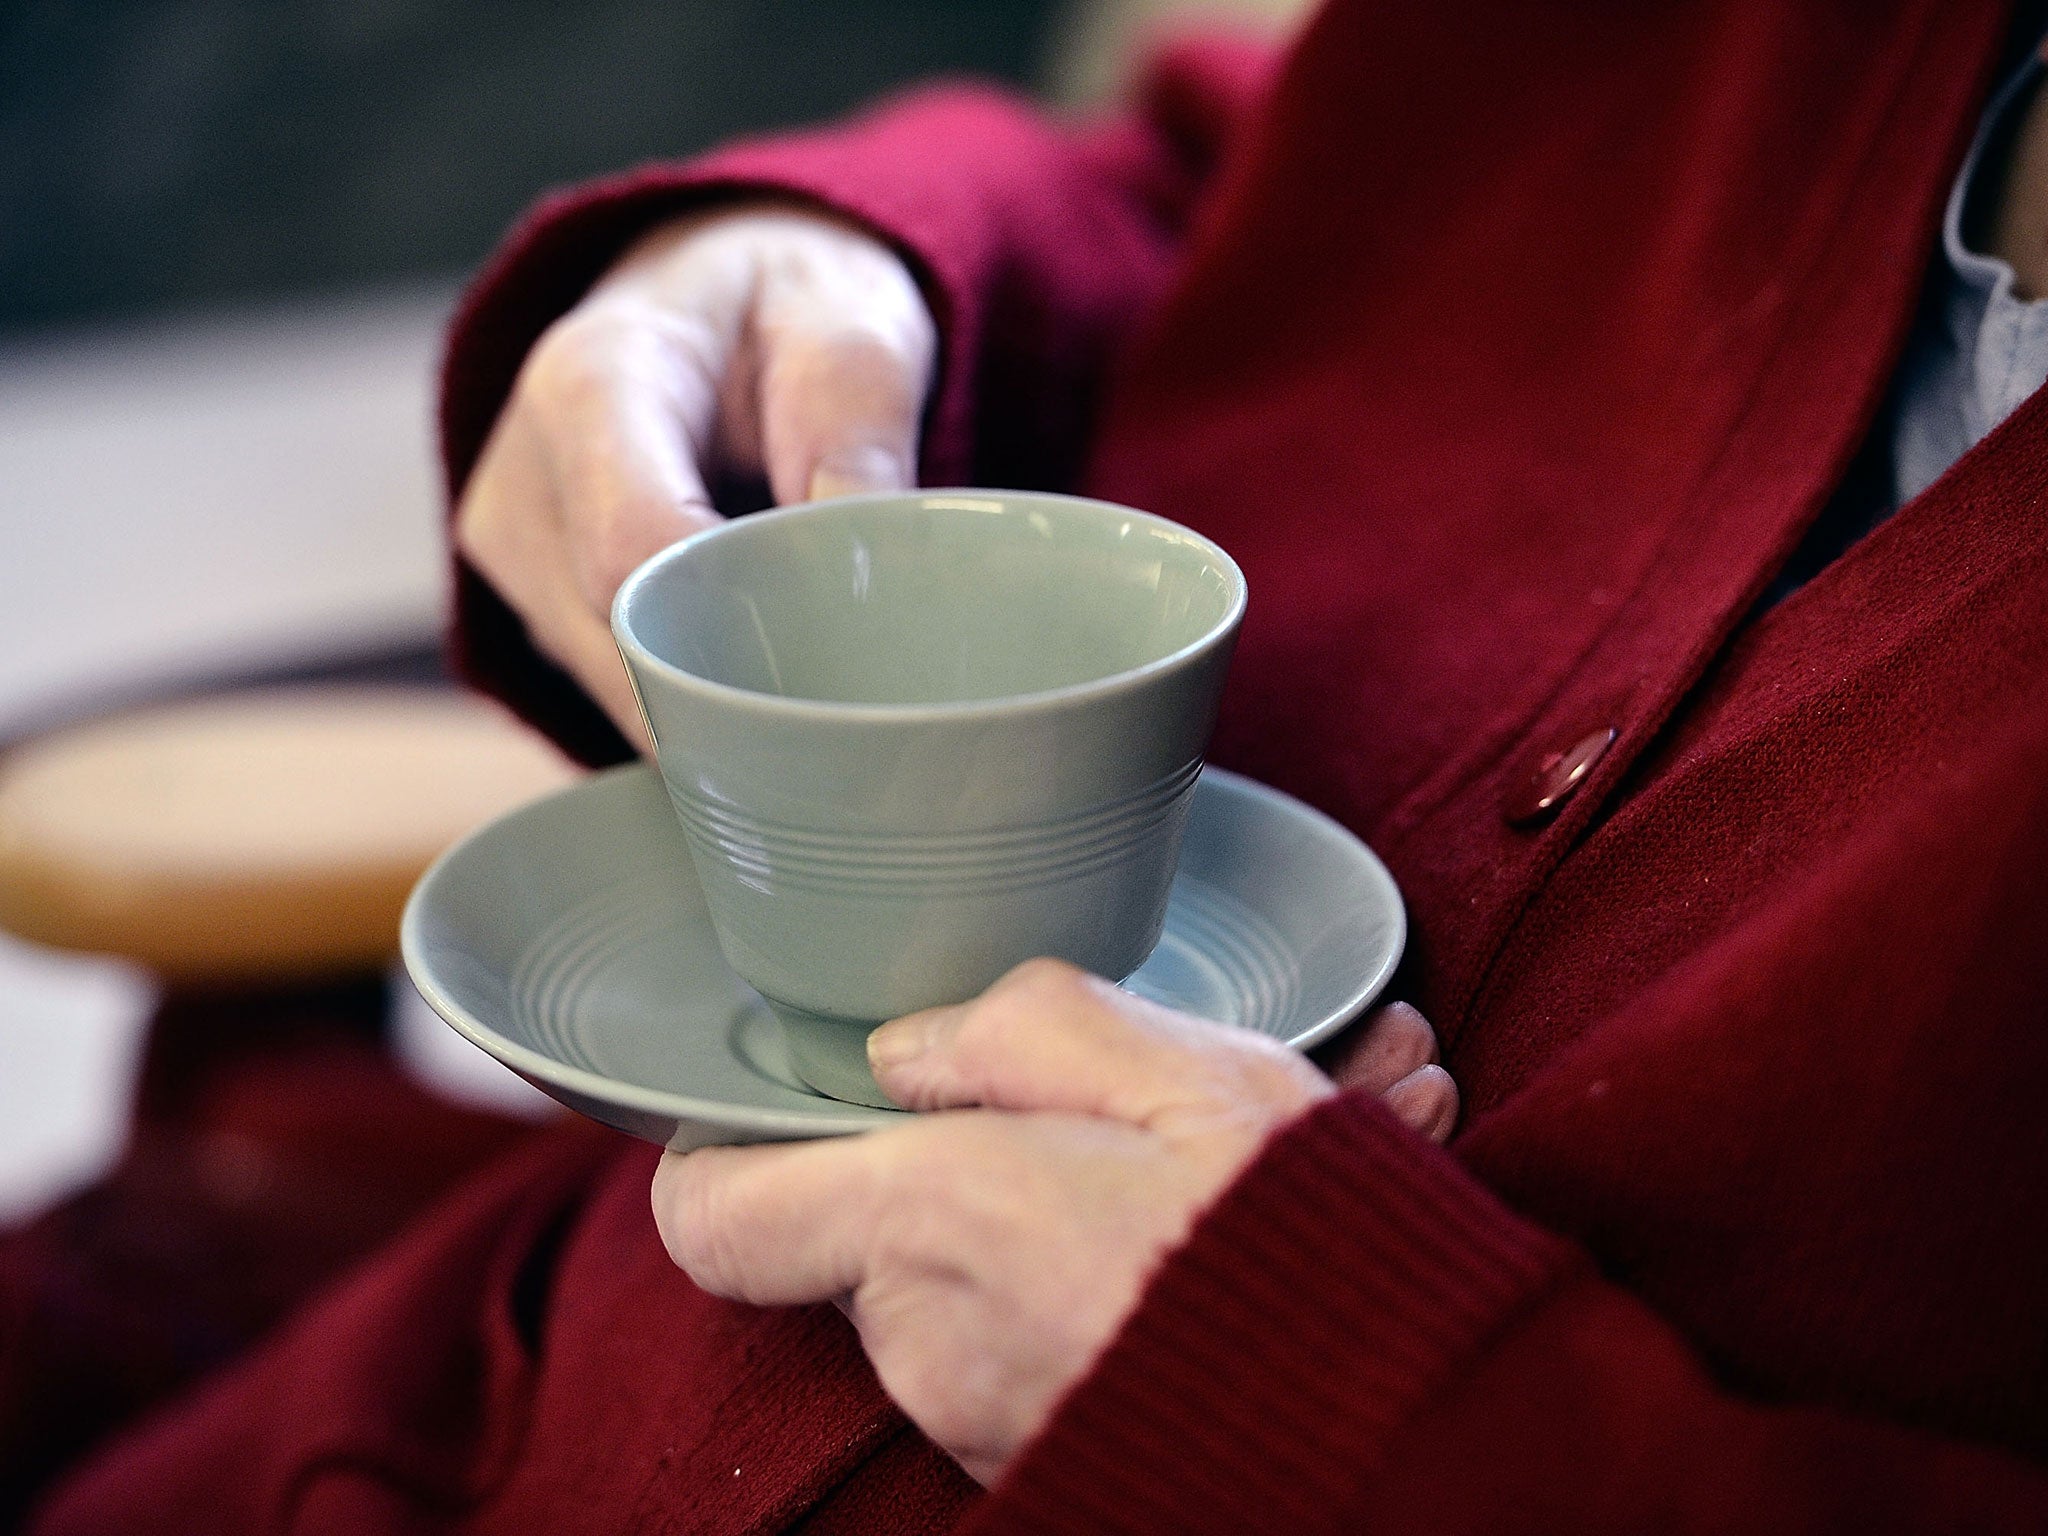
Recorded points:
(569, 940)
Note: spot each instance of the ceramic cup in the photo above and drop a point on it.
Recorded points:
(915, 739)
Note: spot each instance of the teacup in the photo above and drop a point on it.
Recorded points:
(915, 739)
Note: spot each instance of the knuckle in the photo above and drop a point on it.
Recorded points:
(988, 1022)
(574, 356)
(1045, 980)
(1274, 1077)
(902, 1177)
(1019, 1004)
(560, 361)
(891, 1173)
(698, 1223)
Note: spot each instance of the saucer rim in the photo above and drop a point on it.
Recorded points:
(832, 1117)
(545, 1072)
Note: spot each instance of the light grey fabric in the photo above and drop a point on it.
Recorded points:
(1987, 349)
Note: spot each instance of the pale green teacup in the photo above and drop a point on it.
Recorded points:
(915, 739)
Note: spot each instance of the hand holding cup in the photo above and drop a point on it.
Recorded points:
(766, 340)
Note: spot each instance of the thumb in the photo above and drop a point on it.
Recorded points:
(1049, 1036)
(844, 372)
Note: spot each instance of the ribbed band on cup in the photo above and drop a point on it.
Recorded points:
(990, 859)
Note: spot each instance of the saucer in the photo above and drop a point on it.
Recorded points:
(569, 939)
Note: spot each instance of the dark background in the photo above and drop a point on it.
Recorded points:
(175, 154)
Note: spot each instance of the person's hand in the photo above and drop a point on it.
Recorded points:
(767, 341)
(988, 1254)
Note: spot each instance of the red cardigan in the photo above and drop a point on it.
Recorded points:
(1511, 356)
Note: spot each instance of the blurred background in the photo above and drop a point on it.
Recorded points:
(230, 231)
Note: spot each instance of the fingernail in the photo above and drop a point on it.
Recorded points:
(895, 1043)
(849, 471)
(1426, 1101)
(1414, 1099)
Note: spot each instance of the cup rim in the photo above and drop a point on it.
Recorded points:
(633, 650)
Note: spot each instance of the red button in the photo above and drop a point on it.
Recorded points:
(1557, 778)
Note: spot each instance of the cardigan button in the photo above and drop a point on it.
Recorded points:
(1557, 778)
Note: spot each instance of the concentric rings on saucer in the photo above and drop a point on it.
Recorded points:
(569, 940)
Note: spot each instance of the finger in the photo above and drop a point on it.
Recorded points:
(625, 396)
(839, 414)
(1426, 1101)
(1051, 1037)
(509, 529)
(847, 349)
(772, 1225)
(1394, 1042)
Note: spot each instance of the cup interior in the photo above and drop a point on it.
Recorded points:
(929, 599)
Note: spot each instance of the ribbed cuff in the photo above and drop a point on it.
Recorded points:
(1346, 1278)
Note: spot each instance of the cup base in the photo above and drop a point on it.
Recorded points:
(830, 1055)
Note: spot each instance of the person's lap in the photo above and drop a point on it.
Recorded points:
(526, 1357)
(275, 1143)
